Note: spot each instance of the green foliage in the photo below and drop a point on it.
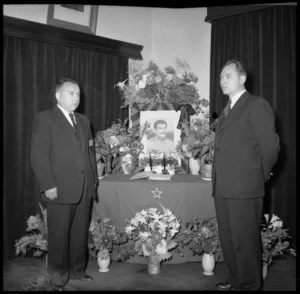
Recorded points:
(201, 236)
(153, 85)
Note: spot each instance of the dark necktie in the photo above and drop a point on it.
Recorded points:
(73, 121)
(227, 108)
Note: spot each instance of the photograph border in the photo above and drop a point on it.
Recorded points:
(91, 29)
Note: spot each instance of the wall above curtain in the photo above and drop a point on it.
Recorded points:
(32, 30)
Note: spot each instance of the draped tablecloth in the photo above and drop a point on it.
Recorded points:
(187, 196)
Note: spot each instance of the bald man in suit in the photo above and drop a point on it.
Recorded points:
(63, 160)
(246, 149)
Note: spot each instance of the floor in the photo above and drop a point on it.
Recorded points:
(21, 273)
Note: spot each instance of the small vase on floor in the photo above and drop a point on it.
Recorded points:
(153, 265)
(265, 269)
(103, 259)
(206, 170)
(208, 264)
(194, 166)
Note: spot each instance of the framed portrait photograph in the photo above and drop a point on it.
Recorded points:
(164, 135)
(78, 17)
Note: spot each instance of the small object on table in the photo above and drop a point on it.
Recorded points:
(150, 161)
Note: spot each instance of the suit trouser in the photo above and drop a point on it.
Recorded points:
(239, 231)
(68, 226)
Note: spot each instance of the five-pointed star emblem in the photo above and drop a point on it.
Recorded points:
(156, 193)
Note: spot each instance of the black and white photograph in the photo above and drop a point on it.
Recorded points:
(149, 147)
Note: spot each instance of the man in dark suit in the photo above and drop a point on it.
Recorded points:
(63, 160)
(246, 148)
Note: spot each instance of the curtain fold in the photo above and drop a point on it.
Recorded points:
(30, 71)
(265, 41)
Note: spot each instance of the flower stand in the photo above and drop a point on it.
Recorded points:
(153, 265)
(103, 261)
(208, 264)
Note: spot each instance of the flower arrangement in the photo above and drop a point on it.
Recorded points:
(153, 232)
(37, 239)
(153, 85)
(273, 237)
(202, 236)
(103, 235)
(198, 140)
(120, 141)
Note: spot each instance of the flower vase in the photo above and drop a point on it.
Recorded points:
(206, 170)
(208, 264)
(103, 260)
(126, 163)
(265, 270)
(153, 264)
(100, 169)
(194, 166)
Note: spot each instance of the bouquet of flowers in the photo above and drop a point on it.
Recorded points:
(202, 236)
(273, 237)
(103, 235)
(198, 140)
(153, 232)
(151, 84)
(120, 141)
(37, 239)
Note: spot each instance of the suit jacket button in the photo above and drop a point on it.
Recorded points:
(82, 171)
(217, 148)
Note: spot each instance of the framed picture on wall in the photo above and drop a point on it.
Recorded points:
(78, 17)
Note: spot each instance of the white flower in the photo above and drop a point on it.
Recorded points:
(144, 235)
(161, 248)
(32, 223)
(141, 84)
(121, 84)
(145, 251)
(184, 147)
(128, 156)
(122, 149)
(129, 229)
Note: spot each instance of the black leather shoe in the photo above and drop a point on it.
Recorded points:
(224, 286)
(86, 278)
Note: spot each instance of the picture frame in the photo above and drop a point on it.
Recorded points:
(171, 117)
(82, 18)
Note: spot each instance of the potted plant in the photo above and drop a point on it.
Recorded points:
(103, 235)
(153, 234)
(198, 143)
(202, 238)
(120, 145)
(36, 242)
(150, 84)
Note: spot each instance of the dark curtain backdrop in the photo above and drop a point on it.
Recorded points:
(31, 69)
(265, 41)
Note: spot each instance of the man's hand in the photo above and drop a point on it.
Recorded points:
(51, 193)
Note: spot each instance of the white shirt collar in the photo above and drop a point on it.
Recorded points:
(236, 97)
(67, 114)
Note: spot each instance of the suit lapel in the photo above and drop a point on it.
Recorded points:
(67, 128)
(223, 122)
